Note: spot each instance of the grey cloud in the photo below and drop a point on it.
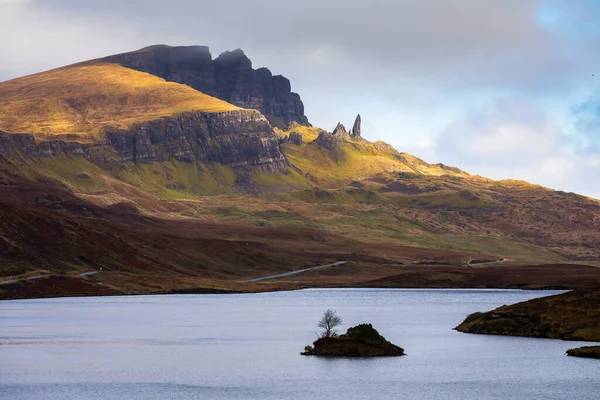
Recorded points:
(451, 43)
(508, 131)
(511, 137)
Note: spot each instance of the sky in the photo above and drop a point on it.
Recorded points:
(499, 88)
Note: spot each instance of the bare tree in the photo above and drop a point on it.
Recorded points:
(328, 322)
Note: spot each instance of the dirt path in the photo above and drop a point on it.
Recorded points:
(295, 272)
(42, 276)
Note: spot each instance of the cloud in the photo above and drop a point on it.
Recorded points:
(511, 137)
(451, 43)
(33, 39)
(507, 130)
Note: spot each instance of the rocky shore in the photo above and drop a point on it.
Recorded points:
(585, 352)
(569, 316)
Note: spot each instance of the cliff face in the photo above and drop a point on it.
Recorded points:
(240, 139)
(235, 138)
(230, 77)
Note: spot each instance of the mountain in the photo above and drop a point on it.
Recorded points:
(122, 164)
(229, 77)
(112, 115)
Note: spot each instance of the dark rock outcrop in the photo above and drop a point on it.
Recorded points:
(340, 130)
(360, 341)
(356, 128)
(230, 77)
(10, 143)
(190, 65)
(331, 141)
(25, 145)
(295, 138)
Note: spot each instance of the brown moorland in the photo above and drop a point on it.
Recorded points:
(569, 316)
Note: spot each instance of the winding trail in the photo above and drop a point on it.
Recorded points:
(43, 276)
(502, 261)
(299, 271)
(24, 279)
(89, 273)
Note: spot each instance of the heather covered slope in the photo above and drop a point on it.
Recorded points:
(570, 316)
(77, 102)
(45, 229)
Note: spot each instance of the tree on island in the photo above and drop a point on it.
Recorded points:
(359, 341)
(328, 323)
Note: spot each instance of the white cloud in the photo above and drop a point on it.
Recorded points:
(506, 129)
(512, 138)
(33, 39)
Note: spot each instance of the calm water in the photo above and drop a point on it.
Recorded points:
(247, 347)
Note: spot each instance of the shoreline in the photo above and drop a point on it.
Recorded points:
(328, 276)
(212, 291)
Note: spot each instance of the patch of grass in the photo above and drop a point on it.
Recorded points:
(309, 133)
(347, 163)
(447, 199)
(74, 171)
(267, 180)
(283, 218)
(178, 180)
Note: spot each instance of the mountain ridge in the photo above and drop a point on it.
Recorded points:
(229, 77)
(289, 193)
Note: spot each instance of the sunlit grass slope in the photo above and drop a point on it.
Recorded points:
(352, 159)
(82, 99)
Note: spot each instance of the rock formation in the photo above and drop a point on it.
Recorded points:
(229, 77)
(240, 139)
(295, 138)
(340, 130)
(356, 128)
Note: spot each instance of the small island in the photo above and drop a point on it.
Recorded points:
(360, 341)
(585, 352)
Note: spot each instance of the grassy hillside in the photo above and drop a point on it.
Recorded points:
(76, 102)
(350, 160)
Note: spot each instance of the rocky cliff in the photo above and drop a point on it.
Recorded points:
(229, 77)
(240, 139)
